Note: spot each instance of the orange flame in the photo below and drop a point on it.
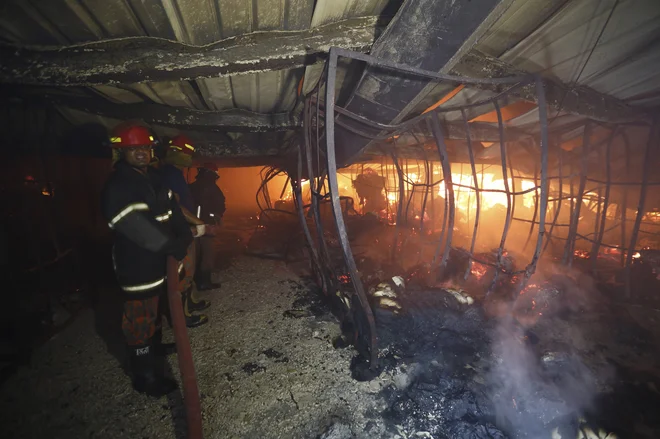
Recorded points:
(478, 270)
(583, 254)
(465, 197)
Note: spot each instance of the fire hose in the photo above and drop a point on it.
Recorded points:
(184, 353)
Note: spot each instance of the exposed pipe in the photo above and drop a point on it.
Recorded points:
(184, 353)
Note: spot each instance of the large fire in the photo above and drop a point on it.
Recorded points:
(287, 193)
(465, 198)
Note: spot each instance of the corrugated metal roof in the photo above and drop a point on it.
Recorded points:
(562, 47)
(196, 22)
(562, 39)
(556, 37)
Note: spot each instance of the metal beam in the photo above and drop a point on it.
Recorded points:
(185, 118)
(147, 59)
(582, 101)
(427, 34)
(180, 117)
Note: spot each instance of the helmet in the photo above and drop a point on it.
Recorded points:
(130, 135)
(183, 144)
(210, 166)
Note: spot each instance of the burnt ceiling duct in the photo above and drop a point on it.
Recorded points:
(425, 34)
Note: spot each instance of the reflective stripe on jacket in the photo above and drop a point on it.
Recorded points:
(147, 222)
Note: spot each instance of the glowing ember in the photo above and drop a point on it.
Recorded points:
(582, 254)
(528, 287)
(478, 270)
(652, 216)
(344, 279)
(613, 251)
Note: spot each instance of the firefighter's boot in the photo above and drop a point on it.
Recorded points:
(162, 349)
(192, 321)
(147, 378)
(195, 305)
(204, 281)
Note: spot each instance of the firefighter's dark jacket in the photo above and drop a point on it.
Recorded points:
(208, 196)
(149, 225)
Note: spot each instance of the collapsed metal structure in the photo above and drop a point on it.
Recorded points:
(319, 157)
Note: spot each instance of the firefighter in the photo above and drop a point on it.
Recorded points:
(177, 157)
(149, 226)
(210, 202)
(369, 187)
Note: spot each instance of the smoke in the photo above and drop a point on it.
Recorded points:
(539, 379)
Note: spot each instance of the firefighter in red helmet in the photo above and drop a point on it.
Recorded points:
(179, 156)
(148, 226)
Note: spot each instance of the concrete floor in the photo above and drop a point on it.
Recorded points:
(263, 372)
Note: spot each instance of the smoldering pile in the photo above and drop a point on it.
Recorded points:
(458, 373)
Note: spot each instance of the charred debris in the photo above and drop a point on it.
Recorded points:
(508, 284)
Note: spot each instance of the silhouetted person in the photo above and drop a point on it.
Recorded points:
(210, 202)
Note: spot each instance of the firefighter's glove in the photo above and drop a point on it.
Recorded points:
(199, 230)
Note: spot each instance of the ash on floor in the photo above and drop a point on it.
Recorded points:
(265, 365)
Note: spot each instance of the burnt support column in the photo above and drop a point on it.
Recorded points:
(507, 222)
(624, 204)
(336, 209)
(536, 207)
(595, 248)
(449, 188)
(560, 198)
(476, 192)
(575, 219)
(642, 201)
(545, 185)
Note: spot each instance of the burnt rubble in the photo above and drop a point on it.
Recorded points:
(548, 364)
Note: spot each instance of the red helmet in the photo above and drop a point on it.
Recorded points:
(130, 135)
(183, 144)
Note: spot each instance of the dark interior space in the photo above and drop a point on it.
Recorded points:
(427, 219)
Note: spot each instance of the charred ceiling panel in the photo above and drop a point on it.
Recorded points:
(424, 34)
(557, 38)
(269, 86)
(579, 45)
(21, 23)
(265, 91)
(517, 22)
(330, 11)
(642, 74)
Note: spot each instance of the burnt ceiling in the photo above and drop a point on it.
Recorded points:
(233, 73)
